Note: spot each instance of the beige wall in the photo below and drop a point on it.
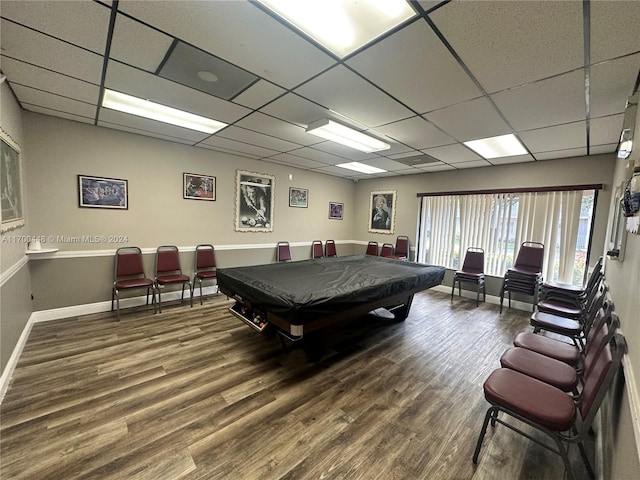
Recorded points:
(15, 284)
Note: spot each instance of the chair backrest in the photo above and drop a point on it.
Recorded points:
(402, 246)
(372, 248)
(386, 250)
(530, 256)
(473, 260)
(316, 249)
(205, 258)
(330, 249)
(128, 263)
(607, 325)
(599, 378)
(167, 259)
(283, 252)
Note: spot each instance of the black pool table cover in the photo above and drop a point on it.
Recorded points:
(302, 291)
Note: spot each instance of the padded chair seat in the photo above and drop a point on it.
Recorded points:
(562, 309)
(531, 398)
(548, 370)
(567, 288)
(526, 272)
(177, 278)
(561, 325)
(470, 275)
(206, 274)
(134, 283)
(564, 352)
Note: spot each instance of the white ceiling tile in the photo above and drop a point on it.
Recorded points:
(53, 18)
(138, 45)
(255, 138)
(560, 137)
(417, 133)
(57, 113)
(511, 43)
(452, 153)
(238, 32)
(606, 130)
(614, 29)
(237, 146)
(611, 83)
(407, 72)
(437, 168)
(348, 94)
(511, 159)
(29, 46)
(599, 149)
(574, 152)
(473, 164)
(25, 74)
(295, 109)
(319, 156)
(470, 120)
(141, 84)
(260, 122)
(296, 161)
(259, 94)
(549, 102)
(225, 150)
(54, 102)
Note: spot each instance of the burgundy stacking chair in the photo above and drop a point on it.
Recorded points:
(557, 373)
(401, 251)
(526, 274)
(283, 252)
(330, 249)
(472, 271)
(169, 272)
(548, 409)
(128, 274)
(372, 248)
(386, 250)
(204, 268)
(316, 249)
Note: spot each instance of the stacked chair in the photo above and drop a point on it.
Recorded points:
(526, 274)
(555, 386)
(472, 271)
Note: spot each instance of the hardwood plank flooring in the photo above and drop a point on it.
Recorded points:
(193, 393)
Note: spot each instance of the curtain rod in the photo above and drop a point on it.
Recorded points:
(559, 188)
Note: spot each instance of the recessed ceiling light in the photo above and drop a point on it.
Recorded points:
(336, 132)
(155, 111)
(207, 76)
(361, 167)
(496, 147)
(342, 26)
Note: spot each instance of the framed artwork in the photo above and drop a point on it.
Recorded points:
(198, 187)
(382, 211)
(335, 210)
(298, 197)
(11, 184)
(254, 202)
(102, 192)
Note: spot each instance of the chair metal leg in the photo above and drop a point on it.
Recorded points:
(117, 294)
(159, 299)
(200, 291)
(489, 415)
(453, 288)
(478, 295)
(190, 295)
(113, 295)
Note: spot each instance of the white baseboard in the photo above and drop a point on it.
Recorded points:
(518, 305)
(75, 311)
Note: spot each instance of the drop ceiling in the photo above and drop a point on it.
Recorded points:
(557, 74)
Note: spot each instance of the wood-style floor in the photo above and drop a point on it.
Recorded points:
(193, 393)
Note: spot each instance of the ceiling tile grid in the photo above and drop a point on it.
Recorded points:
(556, 74)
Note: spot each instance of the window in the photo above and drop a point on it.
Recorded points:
(499, 222)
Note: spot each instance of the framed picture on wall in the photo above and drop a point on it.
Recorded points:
(10, 183)
(298, 197)
(336, 210)
(198, 187)
(254, 202)
(382, 211)
(103, 192)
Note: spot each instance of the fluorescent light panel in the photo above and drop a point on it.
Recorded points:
(144, 108)
(336, 132)
(496, 147)
(361, 167)
(342, 26)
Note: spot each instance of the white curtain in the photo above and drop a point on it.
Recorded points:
(500, 223)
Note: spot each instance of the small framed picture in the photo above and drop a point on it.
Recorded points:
(298, 197)
(102, 192)
(336, 210)
(199, 187)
